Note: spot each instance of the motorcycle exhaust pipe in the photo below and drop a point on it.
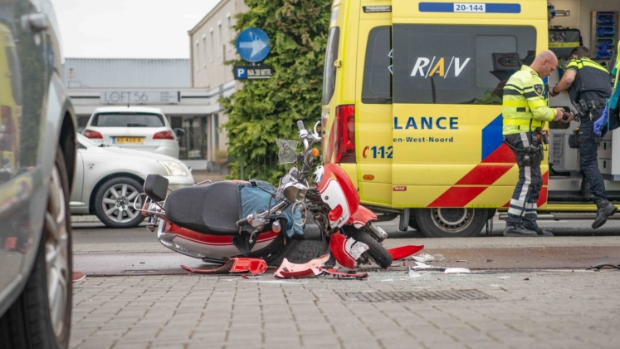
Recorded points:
(378, 232)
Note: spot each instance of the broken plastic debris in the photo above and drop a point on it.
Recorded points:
(460, 261)
(503, 277)
(292, 270)
(313, 269)
(599, 266)
(438, 257)
(494, 285)
(404, 251)
(234, 265)
(388, 280)
(424, 257)
(426, 267)
(420, 265)
(457, 271)
(414, 274)
(77, 276)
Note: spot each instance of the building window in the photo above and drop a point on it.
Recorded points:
(197, 55)
(220, 49)
(216, 128)
(212, 44)
(230, 30)
(204, 49)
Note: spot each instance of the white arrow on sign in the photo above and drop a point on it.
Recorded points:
(256, 45)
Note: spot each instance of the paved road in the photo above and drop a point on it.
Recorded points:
(137, 251)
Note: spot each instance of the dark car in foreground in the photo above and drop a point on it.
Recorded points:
(37, 159)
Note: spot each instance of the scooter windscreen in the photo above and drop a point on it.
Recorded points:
(287, 151)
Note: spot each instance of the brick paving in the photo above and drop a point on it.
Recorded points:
(553, 309)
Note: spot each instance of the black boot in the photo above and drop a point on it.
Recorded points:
(539, 232)
(605, 209)
(514, 231)
(542, 232)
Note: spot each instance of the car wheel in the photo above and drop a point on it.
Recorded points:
(114, 202)
(41, 316)
(451, 222)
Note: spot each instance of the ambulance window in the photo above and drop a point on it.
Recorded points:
(450, 64)
(377, 87)
(329, 71)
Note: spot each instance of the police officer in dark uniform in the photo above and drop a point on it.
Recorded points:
(589, 87)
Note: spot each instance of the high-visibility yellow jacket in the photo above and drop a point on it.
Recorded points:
(525, 103)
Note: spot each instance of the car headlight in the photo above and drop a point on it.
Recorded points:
(174, 168)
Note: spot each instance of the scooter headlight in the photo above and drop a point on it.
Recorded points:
(294, 192)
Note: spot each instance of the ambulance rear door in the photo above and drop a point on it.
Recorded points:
(374, 103)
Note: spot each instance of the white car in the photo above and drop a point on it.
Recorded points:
(137, 128)
(109, 180)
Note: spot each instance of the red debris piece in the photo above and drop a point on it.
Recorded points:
(338, 247)
(404, 251)
(234, 265)
(77, 276)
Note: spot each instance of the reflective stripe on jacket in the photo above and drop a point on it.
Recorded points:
(524, 104)
(590, 77)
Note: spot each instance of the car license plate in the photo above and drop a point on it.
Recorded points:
(128, 140)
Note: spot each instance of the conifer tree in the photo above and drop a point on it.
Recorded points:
(264, 110)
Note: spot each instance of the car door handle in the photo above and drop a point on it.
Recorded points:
(35, 22)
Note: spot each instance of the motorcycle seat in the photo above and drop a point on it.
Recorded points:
(208, 209)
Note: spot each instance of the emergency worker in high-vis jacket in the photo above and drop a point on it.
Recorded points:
(589, 88)
(525, 113)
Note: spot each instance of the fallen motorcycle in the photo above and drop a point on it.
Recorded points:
(218, 221)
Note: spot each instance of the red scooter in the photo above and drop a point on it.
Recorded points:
(217, 221)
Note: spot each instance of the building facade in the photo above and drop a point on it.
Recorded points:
(161, 83)
(211, 45)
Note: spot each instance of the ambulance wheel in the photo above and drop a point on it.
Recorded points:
(451, 222)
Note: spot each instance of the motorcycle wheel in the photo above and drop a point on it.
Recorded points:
(376, 251)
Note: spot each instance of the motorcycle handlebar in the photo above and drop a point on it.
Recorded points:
(242, 222)
(300, 125)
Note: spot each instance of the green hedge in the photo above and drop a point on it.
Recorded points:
(264, 110)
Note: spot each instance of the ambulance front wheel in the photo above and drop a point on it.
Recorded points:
(451, 222)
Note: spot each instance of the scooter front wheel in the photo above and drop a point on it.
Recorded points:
(376, 251)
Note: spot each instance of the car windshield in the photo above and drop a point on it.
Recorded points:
(128, 120)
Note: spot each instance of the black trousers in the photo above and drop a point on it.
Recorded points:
(588, 154)
(523, 207)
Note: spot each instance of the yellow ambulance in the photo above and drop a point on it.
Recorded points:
(10, 103)
(412, 105)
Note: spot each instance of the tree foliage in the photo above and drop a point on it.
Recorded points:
(264, 110)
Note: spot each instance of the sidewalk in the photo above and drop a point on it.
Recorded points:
(559, 309)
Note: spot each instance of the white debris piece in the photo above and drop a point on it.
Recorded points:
(457, 271)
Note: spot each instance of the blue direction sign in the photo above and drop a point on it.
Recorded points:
(253, 45)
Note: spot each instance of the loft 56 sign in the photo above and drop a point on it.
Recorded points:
(139, 97)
